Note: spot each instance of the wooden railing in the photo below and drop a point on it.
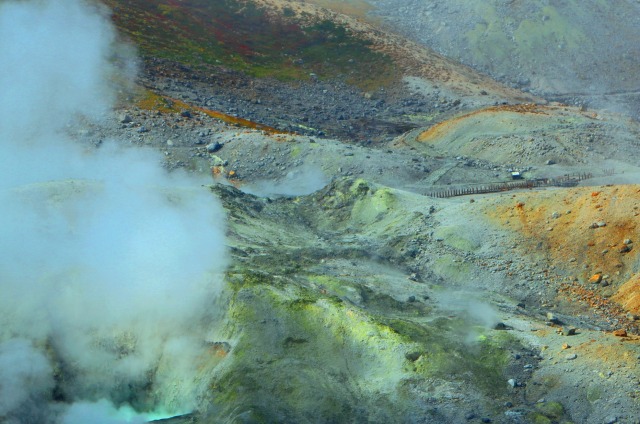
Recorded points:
(569, 180)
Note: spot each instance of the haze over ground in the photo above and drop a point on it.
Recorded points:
(108, 263)
(140, 276)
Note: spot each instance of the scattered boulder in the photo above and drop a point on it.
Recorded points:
(213, 147)
(620, 333)
(595, 278)
(552, 318)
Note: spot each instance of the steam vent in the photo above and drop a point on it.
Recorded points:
(319, 211)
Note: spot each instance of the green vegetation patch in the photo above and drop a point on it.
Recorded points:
(240, 35)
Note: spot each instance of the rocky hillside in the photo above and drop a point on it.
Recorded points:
(354, 310)
(364, 274)
(525, 297)
(579, 52)
(298, 67)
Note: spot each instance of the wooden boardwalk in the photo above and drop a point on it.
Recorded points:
(570, 180)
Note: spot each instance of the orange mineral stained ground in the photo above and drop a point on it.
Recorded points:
(590, 234)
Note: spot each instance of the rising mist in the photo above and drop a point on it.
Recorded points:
(109, 266)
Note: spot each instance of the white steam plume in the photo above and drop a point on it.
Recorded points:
(25, 375)
(302, 181)
(109, 267)
(475, 311)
